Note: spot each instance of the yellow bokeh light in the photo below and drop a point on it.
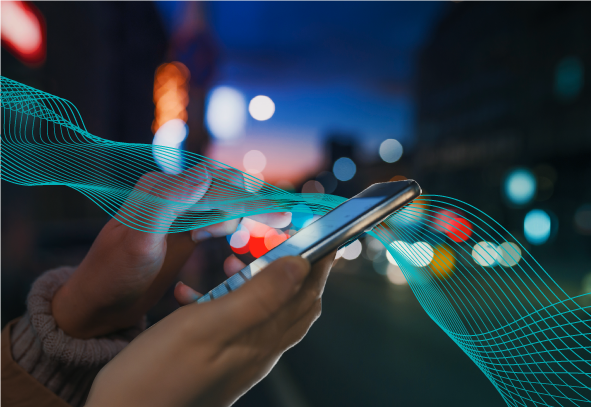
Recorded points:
(444, 262)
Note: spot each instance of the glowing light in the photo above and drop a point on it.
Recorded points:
(391, 258)
(485, 254)
(344, 169)
(422, 254)
(240, 238)
(444, 262)
(419, 254)
(520, 186)
(171, 94)
(301, 215)
(253, 182)
(353, 250)
(458, 229)
(261, 108)
(537, 226)
(391, 150)
(328, 181)
(23, 31)
(569, 78)
(583, 219)
(312, 187)
(171, 134)
(509, 254)
(340, 253)
(274, 238)
(395, 275)
(254, 161)
(226, 113)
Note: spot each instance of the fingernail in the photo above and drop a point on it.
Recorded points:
(200, 235)
(295, 269)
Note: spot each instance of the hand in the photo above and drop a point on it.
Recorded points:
(127, 271)
(212, 353)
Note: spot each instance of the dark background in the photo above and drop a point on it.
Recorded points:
(471, 90)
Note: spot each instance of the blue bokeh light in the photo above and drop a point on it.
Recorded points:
(537, 226)
(301, 215)
(520, 186)
(344, 169)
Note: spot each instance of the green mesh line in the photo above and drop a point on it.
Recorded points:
(526, 334)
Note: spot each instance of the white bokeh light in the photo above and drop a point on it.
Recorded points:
(509, 254)
(353, 250)
(391, 150)
(395, 275)
(261, 108)
(254, 161)
(226, 113)
(485, 254)
(171, 134)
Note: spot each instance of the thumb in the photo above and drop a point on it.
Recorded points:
(260, 298)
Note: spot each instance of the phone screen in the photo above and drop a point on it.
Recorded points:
(299, 243)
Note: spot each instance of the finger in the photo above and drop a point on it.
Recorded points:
(217, 230)
(185, 294)
(260, 298)
(233, 265)
(276, 220)
(310, 293)
(157, 199)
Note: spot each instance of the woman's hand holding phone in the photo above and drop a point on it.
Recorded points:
(210, 354)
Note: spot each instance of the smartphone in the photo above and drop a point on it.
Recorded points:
(339, 227)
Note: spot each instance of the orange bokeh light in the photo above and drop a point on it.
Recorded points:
(171, 94)
(274, 238)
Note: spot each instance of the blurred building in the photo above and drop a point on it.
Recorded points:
(505, 85)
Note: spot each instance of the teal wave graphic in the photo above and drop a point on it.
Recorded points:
(526, 334)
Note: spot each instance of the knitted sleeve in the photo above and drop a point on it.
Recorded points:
(67, 366)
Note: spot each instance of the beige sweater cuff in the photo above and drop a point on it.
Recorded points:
(65, 365)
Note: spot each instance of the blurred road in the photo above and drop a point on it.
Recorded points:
(375, 346)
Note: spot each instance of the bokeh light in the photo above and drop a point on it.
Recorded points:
(344, 169)
(583, 219)
(171, 134)
(537, 226)
(171, 94)
(520, 186)
(254, 161)
(395, 275)
(274, 238)
(422, 254)
(226, 113)
(22, 31)
(328, 181)
(458, 229)
(444, 262)
(353, 250)
(253, 181)
(485, 254)
(391, 150)
(508, 254)
(261, 108)
(312, 187)
(301, 215)
(569, 78)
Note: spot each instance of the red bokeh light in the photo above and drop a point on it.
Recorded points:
(274, 238)
(23, 32)
(257, 246)
(459, 229)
